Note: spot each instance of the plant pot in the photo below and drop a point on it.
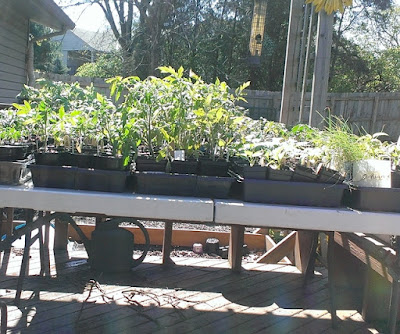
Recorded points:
(279, 174)
(214, 186)
(373, 199)
(13, 173)
(150, 165)
(293, 193)
(371, 173)
(49, 159)
(101, 180)
(213, 168)
(53, 176)
(326, 175)
(239, 165)
(158, 183)
(13, 152)
(184, 167)
(304, 174)
(84, 160)
(109, 162)
(395, 176)
(255, 172)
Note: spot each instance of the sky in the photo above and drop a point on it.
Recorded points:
(86, 17)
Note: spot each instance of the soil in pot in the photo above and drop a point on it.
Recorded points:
(158, 183)
(13, 152)
(304, 174)
(255, 172)
(101, 180)
(184, 167)
(53, 176)
(279, 174)
(293, 193)
(213, 168)
(144, 164)
(373, 199)
(214, 186)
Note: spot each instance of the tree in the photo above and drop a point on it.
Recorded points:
(47, 56)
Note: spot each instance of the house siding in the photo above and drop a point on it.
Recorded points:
(13, 45)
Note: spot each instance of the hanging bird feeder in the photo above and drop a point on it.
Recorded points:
(257, 31)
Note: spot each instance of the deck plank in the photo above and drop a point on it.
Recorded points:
(197, 295)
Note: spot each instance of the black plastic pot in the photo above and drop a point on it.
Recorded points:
(53, 176)
(144, 164)
(373, 199)
(13, 173)
(84, 160)
(213, 168)
(395, 177)
(279, 174)
(238, 165)
(13, 152)
(214, 186)
(50, 159)
(157, 183)
(255, 172)
(184, 167)
(326, 175)
(304, 174)
(101, 180)
(109, 163)
(293, 193)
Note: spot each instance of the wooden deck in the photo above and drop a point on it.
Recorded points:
(196, 296)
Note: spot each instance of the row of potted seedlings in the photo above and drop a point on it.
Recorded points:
(180, 136)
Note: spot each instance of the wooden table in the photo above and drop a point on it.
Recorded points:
(238, 214)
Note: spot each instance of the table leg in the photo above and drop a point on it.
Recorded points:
(7, 224)
(60, 235)
(309, 273)
(167, 244)
(331, 283)
(25, 258)
(394, 295)
(236, 247)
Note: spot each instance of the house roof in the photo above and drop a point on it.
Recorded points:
(79, 39)
(45, 12)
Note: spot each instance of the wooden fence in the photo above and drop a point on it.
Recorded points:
(373, 112)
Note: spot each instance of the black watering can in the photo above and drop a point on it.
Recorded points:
(111, 247)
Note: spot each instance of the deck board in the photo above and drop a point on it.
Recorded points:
(196, 296)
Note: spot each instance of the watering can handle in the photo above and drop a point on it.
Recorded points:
(116, 221)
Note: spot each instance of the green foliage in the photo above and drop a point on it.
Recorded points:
(106, 66)
(156, 116)
(47, 55)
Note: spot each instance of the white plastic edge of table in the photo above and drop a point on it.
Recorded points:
(306, 218)
(111, 204)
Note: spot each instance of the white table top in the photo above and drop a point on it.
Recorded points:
(306, 218)
(229, 212)
(112, 204)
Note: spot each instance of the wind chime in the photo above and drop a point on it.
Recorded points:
(257, 31)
